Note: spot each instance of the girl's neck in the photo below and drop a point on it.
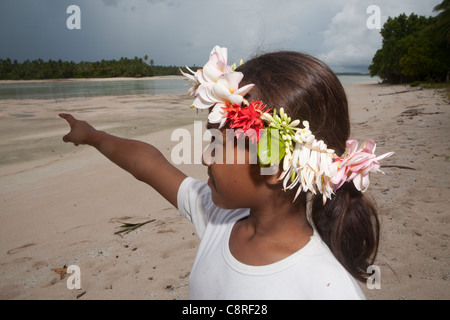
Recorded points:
(270, 233)
(269, 221)
(275, 211)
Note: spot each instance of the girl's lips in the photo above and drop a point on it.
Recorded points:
(211, 183)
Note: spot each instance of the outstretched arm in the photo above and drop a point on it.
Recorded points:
(142, 160)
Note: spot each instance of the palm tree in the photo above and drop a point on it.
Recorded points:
(442, 25)
(443, 21)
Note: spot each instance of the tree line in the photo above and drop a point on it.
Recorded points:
(415, 48)
(58, 69)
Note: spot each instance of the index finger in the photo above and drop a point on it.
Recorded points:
(68, 117)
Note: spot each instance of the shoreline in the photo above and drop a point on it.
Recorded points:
(62, 204)
(89, 79)
(169, 77)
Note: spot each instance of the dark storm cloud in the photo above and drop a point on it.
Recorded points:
(179, 32)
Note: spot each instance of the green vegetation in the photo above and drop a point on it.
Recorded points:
(39, 69)
(415, 48)
(442, 88)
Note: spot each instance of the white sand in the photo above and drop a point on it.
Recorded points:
(60, 205)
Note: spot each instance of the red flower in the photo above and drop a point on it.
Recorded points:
(245, 118)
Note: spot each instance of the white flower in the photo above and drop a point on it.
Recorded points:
(216, 84)
(195, 78)
(308, 167)
(218, 115)
(303, 134)
(217, 64)
(225, 89)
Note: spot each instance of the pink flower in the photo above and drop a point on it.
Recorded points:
(356, 165)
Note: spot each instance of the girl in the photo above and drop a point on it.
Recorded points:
(304, 232)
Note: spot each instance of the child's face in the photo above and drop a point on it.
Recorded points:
(234, 177)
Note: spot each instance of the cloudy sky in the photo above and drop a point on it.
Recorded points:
(182, 32)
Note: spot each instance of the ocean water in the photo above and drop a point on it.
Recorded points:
(357, 78)
(63, 89)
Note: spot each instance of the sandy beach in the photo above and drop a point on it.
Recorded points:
(61, 205)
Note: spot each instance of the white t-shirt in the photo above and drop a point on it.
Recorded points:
(310, 273)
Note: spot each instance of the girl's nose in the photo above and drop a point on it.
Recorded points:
(207, 156)
(204, 160)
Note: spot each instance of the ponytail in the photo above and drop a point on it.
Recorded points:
(349, 225)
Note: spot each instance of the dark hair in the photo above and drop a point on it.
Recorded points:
(308, 89)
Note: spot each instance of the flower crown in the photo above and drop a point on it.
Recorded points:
(308, 164)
